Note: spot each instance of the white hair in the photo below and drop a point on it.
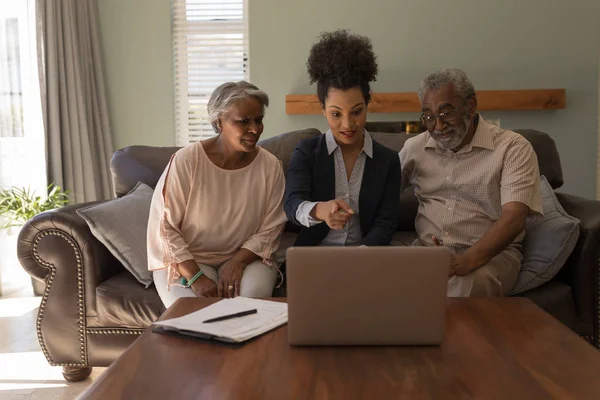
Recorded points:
(457, 77)
(224, 97)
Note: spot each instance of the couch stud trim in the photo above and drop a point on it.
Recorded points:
(111, 331)
(80, 297)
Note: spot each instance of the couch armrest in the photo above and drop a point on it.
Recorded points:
(57, 247)
(581, 271)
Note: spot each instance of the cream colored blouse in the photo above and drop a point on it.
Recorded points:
(208, 213)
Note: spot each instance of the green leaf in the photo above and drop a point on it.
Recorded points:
(19, 205)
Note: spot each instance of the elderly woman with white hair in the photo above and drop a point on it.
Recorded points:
(217, 212)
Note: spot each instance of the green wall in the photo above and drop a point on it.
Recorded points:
(502, 45)
(136, 41)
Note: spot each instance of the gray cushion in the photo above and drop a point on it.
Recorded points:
(548, 242)
(121, 225)
(403, 238)
(122, 301)
(394, 141)
(409, 205)
(135, 164)
(282, 146)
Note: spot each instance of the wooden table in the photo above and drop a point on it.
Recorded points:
(494, 349)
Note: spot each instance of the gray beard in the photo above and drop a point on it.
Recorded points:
(455, 138)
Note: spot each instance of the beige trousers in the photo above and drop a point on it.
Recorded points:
(494, 279)
(258, 281)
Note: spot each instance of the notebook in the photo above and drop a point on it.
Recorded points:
(270, 315)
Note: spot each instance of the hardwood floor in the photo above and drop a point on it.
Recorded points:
(24, 371)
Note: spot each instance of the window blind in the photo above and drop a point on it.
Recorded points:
(210, 47)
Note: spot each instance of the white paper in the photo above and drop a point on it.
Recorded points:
(270, 315)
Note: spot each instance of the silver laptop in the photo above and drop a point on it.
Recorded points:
(367, 295)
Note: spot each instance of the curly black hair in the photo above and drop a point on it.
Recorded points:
(342, 60)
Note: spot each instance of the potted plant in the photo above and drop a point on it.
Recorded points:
(19, 205)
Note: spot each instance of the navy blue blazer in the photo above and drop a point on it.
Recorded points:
(311, 177)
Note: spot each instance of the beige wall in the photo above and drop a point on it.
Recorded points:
(510, 45)
(136, 36)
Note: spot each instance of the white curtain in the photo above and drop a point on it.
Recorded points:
(77, 129)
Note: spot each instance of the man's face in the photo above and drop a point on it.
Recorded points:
(450, 128)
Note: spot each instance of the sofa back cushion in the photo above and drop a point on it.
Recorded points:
(135, 164)
(282, 146)
(547, 155)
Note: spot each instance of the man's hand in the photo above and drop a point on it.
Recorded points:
(460, 264)
(204, 287)
(230, 278)
(336, 213)
(502, 233)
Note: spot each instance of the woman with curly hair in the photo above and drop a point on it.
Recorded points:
(342, 187)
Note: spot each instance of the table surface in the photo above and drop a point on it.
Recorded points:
(493, 349)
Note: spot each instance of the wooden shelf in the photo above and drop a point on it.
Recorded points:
(497, 100)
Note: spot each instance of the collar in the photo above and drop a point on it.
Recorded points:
(483, 138)
(332, 144)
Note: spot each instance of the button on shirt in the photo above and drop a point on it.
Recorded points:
(461, 194)
(347, 190)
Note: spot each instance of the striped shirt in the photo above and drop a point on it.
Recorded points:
(347, 190)
(461, 194)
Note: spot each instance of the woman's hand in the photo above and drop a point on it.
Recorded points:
(336, 213)
(204, 287)
(230, 278)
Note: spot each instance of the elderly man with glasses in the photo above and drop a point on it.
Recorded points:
(476, 185)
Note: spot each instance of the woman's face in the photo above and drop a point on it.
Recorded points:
(242, 126)
(346, 113)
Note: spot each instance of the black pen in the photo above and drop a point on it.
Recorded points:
(224, 317)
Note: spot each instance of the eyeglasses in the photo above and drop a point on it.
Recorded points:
(446, 117)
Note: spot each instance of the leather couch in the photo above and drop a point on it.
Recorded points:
(92, 308)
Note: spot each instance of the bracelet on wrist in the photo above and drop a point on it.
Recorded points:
(187, 283)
